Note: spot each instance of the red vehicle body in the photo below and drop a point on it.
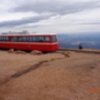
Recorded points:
(42, 42)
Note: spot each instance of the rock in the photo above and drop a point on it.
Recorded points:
(36, 52)
(20, 52)
(11, 51)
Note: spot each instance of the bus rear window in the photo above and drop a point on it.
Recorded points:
(54, 39)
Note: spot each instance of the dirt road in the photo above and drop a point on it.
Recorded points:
(49, 76)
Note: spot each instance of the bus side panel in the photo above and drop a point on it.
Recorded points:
(42, 47)
(29, 46)
(5, 45)
(55, 47)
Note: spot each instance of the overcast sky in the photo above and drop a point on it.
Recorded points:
(59, 16)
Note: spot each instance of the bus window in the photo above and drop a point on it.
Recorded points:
(20, 38)
(6, 38)
(54, 39)
(47, 39)
(3, 38)
(40, 39)
(0, 38)
(14, 39)
(25, 39)
(32, 39)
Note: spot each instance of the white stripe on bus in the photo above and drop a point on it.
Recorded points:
(29, 43)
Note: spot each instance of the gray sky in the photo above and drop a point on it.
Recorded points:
(60, 16)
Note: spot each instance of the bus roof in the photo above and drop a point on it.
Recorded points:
(30, 34)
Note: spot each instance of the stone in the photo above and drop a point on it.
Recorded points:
(36, 52)
(11, 51)
(20, 52)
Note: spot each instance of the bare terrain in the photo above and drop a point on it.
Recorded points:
(53, 76)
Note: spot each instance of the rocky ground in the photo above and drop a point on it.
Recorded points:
(53, 76)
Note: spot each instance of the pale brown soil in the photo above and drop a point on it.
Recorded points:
(52, 76)
(92, 49)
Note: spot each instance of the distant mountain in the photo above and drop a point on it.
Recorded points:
(73, 40)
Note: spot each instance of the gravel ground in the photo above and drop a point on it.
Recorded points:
(53, 76)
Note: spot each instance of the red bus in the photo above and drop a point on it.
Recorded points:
(41, 42)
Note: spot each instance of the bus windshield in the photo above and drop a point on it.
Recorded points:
(54, 38)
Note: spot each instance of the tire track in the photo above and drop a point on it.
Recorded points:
(34, 67)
